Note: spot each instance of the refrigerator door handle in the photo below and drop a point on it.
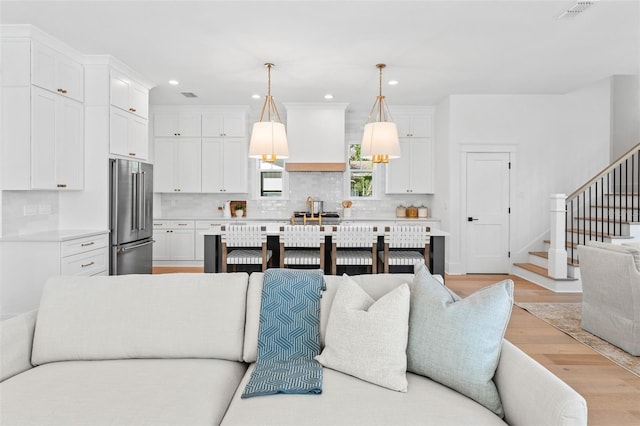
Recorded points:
(134, 202)
(137, 245)
(142, 205)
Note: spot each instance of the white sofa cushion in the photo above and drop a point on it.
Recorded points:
(348, 401)
(376, 286)
(16, 340)
(141, 316)
(121, 392)
(366, 338)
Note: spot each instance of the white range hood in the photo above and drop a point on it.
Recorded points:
(316, 136)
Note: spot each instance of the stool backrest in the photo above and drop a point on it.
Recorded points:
(302, 235)
(354, 236)
(406, 236)
(243, 235)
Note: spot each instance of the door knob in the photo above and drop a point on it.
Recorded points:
(471, 219)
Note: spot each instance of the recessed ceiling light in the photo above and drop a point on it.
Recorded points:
(328, 96)
(256, 96)
(174, 82)
(393, 82)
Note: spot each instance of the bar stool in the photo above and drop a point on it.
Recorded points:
(244, 245)
(354, 245)
(302, 245)
(405, 245)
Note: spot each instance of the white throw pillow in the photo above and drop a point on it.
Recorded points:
(367, 339)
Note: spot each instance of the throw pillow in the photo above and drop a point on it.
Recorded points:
(458, 342)
(367, 339)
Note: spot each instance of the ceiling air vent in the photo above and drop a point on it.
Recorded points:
(189, 94)
(576, 9)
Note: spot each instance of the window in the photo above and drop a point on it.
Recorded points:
(272, 178)
(361, 174)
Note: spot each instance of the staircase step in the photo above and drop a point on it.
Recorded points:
(568, 244)
(599, 219)
(597, 234)
(545, 255)
(544, 272)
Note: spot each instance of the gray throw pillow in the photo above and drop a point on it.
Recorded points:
(367, 339)
(458, 342)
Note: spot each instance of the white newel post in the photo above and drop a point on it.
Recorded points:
(557, 251)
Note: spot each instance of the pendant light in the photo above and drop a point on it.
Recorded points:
(268, 137)
(380, 141)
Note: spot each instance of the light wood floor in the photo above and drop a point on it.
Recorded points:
(612, 393)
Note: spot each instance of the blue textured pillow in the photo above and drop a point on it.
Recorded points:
(458, 342)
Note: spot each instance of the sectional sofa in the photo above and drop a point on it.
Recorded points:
(177, 349)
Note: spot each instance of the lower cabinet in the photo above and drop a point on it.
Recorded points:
(28, 262)
(174, 240)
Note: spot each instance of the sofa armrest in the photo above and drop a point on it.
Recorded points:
(532, 395)
(16, 341)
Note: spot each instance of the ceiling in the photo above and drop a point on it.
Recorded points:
(216, 49)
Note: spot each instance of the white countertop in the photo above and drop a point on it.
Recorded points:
(54, 236)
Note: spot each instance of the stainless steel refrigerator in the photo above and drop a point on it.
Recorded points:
(131, 210)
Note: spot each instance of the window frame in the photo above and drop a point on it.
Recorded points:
(347, 179)
(257, 182)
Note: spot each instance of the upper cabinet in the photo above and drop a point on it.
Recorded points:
(129, 113)
(200, 149)
(413, 172)
(414, 124)
(53, 71)
(42, 115)
(224, 124)
(174, 123)
(128, 95)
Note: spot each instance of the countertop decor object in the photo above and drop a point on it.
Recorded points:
(380, 141)
(238, 205)
(423, 211)
(412, 212)
(401, 211)
(269, 137)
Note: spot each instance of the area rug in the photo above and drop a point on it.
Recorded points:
(567, 318)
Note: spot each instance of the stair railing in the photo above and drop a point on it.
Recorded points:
(604, 206)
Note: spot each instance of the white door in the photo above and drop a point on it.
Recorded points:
(487, 215)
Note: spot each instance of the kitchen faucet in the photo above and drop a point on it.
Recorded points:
(310, 204)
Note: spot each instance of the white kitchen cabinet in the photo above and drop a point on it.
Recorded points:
(28, 261)
(177, 165)
(57, 141)
(42, 127)
(173, 123)
(415, 124)
(175, 240)
(413, 171)
(224, 165)
(128, 134)
(129, 95)
(229, 124)
(53, 71)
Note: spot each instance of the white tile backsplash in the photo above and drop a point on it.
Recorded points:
(325, 186)
(27, 212)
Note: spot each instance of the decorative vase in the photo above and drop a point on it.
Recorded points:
(239, 213)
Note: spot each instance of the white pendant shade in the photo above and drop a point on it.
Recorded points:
(380, 141)
(268, 141)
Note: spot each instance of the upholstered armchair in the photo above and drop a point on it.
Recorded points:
(611, 293)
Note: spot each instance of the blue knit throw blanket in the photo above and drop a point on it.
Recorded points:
(289, 334)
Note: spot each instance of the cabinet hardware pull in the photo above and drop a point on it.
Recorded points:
(87, 244)
(62, 91)
(61, 185)
(133, 154)
(132, 109)
(182, 224)
(87, 264)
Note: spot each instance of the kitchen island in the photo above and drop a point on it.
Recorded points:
(212, 259)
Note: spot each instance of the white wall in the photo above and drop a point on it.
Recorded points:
(625, 114)
(558, 141)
